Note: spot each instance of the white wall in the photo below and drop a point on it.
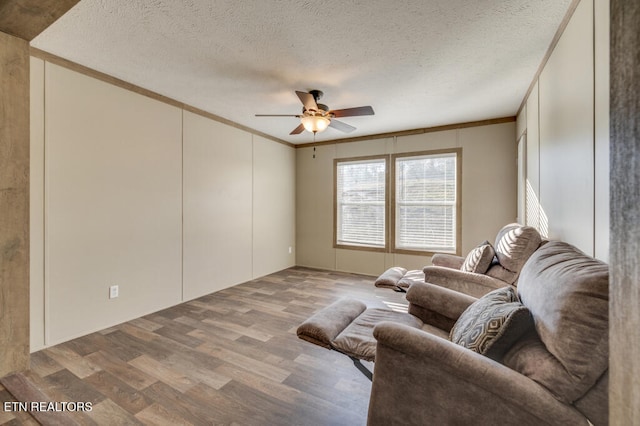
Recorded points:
(141, 194)
(488, 193)
(567, 116)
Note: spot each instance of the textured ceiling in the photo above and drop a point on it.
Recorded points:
(419, 63)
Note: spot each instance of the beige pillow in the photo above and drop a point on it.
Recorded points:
(479, 259)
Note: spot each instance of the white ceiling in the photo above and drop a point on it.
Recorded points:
(418, 63)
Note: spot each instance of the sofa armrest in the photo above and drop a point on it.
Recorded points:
(447, 260)
(476, 285)
(429, 298)
(423, 379)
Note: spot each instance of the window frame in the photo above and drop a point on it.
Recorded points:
(390, 202)
(458, 203)
(380, 249)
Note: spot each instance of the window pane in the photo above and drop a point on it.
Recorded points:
(426, 202)
(426, 228)
(360, 199)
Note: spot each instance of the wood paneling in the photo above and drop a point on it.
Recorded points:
(14, 204)
(242, 363)
(28, 18)
(625, 216)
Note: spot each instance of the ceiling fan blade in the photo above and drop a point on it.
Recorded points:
(297, 130)
(278, 115)
(352, 112)
(343, 127)
(308, 100)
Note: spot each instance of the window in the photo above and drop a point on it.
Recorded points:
(361, 202)
(425, 211)
(420, 202)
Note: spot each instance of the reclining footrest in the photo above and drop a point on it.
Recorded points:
(347, 326)
(399, 279)
(326, 324)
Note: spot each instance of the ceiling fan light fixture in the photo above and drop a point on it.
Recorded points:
(315, 123)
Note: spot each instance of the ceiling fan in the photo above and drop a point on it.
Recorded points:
(317, 117)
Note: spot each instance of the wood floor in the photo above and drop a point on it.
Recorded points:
(231, 357)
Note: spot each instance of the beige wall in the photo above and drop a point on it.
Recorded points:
(488, 193)
(567, 112)
(131, 191)
(217, 206)
(113, 204)
(274, 218)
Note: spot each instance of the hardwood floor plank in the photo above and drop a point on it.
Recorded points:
(182, 405)
(197, 371)
(163, 373)
(73, 388)
(257, 366)
(44, 365)
(72, 361)
(158, 415)
(208, 332)
(224, 408)
(109, 413)
(245, 331)
(130, 375)
(119, 392)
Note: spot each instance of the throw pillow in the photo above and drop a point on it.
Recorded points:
(479, 259)
(493, 323)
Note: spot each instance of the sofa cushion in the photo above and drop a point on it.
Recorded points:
(514, 244)
(567, 293)
(493, 323)
(479, 259)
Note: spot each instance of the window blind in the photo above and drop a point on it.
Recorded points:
(361, 202)
(425, 210)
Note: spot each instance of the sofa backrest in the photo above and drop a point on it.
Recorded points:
(567, 293)
(514, 245)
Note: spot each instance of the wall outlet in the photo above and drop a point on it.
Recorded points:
(290, 250)
(113, 292)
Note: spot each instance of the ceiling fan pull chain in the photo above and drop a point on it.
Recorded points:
(314, 148)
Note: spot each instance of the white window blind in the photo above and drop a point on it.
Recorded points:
(361, 202)
(425, 210)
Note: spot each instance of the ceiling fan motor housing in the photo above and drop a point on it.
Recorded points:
(317, 94)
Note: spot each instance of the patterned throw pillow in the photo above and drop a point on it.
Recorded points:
(493, 323)
(479, 259)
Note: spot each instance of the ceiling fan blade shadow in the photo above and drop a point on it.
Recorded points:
(343, 127)
(352, 112)
(297, 130)
(307, 100)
